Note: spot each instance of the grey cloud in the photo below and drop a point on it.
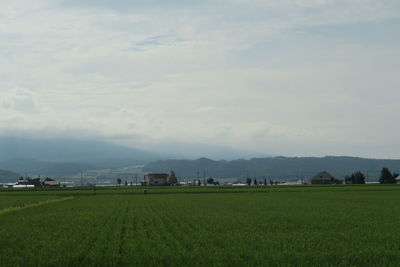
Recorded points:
(128, 5)
(19, 99)
(154, 40)
(264, 75)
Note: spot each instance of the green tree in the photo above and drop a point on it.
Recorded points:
(255, 181)
(172, 179)
(119, 181)
(126, 183)
(210, 180)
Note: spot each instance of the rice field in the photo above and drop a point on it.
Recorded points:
(219, 226)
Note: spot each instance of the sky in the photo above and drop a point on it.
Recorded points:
(286, 77)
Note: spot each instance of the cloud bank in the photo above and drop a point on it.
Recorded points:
(300, 77)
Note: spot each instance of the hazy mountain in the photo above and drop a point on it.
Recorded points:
(283, 168)
(70, 150)
(54, 169)
(65, 157)
(182, 150)
(8, 176)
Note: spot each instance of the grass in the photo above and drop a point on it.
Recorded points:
(277, 226)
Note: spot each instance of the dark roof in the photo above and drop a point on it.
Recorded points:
(322, 176)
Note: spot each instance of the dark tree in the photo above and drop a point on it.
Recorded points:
(210, 180)
(265, 181)
(347, 180)
(248, 181)
(119, 181)
(358, 178)
(271, 182)
(126, 183)
(387, 177)
(255, 181)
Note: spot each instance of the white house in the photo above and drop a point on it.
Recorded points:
(155, 179)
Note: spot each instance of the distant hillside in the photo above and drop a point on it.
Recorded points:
(283, 168)
(65, 157)
(53, 169)
(8, 176)
(184, 150)
(70, 150)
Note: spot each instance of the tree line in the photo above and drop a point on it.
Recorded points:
(386, 177)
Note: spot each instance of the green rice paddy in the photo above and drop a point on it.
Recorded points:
(216, 226)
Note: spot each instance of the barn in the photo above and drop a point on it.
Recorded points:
(156, 179)
(322, 178)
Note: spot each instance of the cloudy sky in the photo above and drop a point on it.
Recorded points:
(288, 77)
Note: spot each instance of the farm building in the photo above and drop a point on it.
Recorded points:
(51, 183)
(322, 178)
(152, 179)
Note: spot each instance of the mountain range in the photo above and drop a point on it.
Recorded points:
(66, 157)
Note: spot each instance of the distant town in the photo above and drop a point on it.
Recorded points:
(165, 179)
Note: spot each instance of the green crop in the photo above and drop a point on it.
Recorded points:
(219, 226)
